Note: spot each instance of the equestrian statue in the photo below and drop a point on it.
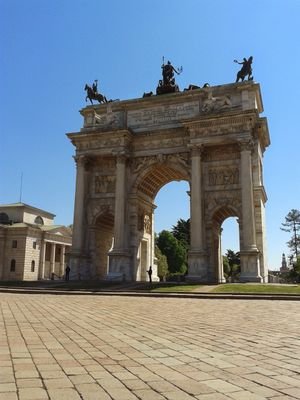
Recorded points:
(245, 70)
(92, 93)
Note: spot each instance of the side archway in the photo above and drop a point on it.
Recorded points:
(219, 215)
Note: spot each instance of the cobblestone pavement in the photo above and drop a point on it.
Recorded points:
(123, 348)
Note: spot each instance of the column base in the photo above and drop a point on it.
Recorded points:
(119, 266)
(250, 271)
(198, 267)
(80, 268)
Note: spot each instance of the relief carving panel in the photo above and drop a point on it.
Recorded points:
(223, 176)
(104, 183)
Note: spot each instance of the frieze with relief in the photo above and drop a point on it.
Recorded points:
(221, 126)
(98, 143)
(105, 164)
(147, 144)
(104, 183)
(140, 163)
(223, 176)
(218, 153)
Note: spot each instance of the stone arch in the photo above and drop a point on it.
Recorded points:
(152, 142)
(151, 178)
(218, 216)
(155, 176)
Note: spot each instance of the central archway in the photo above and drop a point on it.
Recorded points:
(146, 188)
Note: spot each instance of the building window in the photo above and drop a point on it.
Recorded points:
(4, 218)
(34, 245)
(13, 266)
(39, 220)
(32, 265)
(14, 244)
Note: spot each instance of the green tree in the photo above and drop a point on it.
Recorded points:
(292, 225)
(174, 251)
(162, 264)
(181, 231)
(231, 264)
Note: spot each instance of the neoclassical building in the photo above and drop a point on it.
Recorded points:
(31, 246)
(126, 151)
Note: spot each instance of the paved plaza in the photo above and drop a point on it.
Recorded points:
(90, 347)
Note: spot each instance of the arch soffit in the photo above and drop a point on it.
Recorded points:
(103, 217)
(220, 213)
(153, 177)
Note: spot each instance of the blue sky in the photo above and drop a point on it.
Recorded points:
(51, 48)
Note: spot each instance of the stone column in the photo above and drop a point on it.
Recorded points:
(120, 199)
(119, 262)
(196, 201)
(77, 239)
(92, 251)
(197, 257)
(249, 252)
(2, 253)
(78, 260)
(52, 258)
(62, 260)
(221, 278)
(42, 259)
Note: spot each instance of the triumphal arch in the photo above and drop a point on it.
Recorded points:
(212, 137)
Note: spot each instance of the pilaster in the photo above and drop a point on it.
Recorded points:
(42, 259)
(197, 258)
(52, 258)
(249, 253)
(119, 257)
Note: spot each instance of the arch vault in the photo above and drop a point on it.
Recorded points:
(214, 138)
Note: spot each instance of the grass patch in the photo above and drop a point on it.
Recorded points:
(257, 288)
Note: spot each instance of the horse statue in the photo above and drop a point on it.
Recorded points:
(245, 70)
(92, 95)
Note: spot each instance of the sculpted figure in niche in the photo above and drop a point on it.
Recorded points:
(147, 224)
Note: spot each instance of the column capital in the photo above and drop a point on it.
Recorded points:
(246, 145)
(121, 156)
(83, 161)
(196, 149)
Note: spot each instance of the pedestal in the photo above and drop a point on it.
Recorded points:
(198, 267)
(250, 271)
(119, 266)
(80, 268)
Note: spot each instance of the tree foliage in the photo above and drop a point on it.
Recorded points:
(162, 263)
(292, 225)
(231, 265)
(174, 251)
(181, 231)
(233, 257)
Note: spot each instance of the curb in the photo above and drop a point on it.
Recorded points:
(198, 295)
